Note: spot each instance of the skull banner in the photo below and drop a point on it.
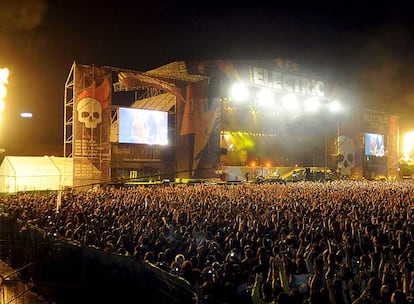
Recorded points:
(91, 125)
(346, 156)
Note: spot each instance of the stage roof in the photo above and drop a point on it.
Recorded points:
(176, 70)
(163, 102)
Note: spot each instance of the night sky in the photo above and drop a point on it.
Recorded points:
(365, 47)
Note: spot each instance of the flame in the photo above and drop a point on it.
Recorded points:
(408, 145)
(4, 75)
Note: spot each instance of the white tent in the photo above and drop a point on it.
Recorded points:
(65, 167)
(28, 173)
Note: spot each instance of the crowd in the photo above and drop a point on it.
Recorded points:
(340, 242)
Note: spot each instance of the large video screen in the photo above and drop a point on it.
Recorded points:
(139, 126)
(374, 144)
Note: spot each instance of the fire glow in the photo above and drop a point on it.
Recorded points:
(408, 146)
(4, 75)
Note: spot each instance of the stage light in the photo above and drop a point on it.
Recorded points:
(290, 103)
(226, 136)
(26, 115)
(265, 97)
(335, 106)
(312, 105)
(239, 92)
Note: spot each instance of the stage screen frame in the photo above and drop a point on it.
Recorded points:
(374, 144)
(149, 126)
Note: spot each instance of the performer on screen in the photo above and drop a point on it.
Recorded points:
(140, 130)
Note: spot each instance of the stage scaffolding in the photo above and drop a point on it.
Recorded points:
(68, 113)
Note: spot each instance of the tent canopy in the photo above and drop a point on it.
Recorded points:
(31, 166)
(27, 173)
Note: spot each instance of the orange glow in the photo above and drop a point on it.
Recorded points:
(253, 164)
(4, 74)
(268, 164)
(408, 145)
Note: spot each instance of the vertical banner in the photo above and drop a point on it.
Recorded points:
(205, 118)
(198, 122)
(91, 125)
(185, 134)
(392, 146)
(350, 147)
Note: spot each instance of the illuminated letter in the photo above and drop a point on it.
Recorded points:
(307, 88)
(319, 89)
(267, 80)
(296, 83)
(258, 77)
(277, 80)
(287, 83)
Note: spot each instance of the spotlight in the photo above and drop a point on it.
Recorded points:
(239, 92)
(335, 106)
(265, 97)
(290, 103)
(26, 115)
(312, 105)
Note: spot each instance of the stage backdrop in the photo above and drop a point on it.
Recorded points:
(91, 125)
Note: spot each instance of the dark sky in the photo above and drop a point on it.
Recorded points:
(364, 46)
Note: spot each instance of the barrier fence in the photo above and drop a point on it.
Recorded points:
(66, 272)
